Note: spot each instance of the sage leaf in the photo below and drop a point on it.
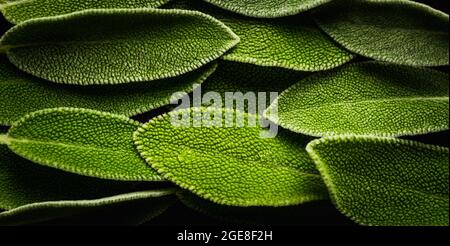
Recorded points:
(385, 181)
(32, 193)
(233, 77)
(368, 99)
(267, 8)
(117, 46)
(402, 32)
(80, 141)
(22, 10)
(156, 202)
(23, 182)
(230, 165)
(295, 42)
(23, 94)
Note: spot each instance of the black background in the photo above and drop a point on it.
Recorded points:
(315, 213)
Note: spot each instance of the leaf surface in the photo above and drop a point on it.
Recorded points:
(81, 141)
(294, 43)
(22, 10)
(231, 165)
(367, 99)
(117, 46)
(22, 94)
(402, 32)
(385, 181)
(267, 8)
(233, 77)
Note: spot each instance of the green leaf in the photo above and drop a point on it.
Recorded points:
(34, 193)
(22, 94)
(117, 46)
(230, 165)
(368, 99)
(22, 10)
(295, 42)
(402, 32)
(81, 141)
(156, 202)
(241, 77)
(384, 181)
(23, 182)
(267, 8)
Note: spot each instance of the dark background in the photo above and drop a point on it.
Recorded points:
(314, 213)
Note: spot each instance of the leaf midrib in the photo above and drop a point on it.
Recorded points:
(370, 101)
(66, 145)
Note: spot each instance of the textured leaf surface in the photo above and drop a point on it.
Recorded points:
(402, 32)
(22, 10)
(366, 98)
(267, 8)
(231, 165)
(39, 212)
(383, 181)
(22, 94)
(235, 77)
(117, 46)
(294, 43)
(81, 141)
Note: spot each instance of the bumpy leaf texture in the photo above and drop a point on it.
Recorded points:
(81, 141)
(293, 43)
(22, 10)
(385, 181)
(366, 98)
(267, 8)
(230, 165)
(402, 32)
(22, 94)
(234, 77)
(117, 46)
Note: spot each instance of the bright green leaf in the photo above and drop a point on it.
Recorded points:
(233, 77)
(267, 8)
(22, 10)
(81, 141)
(230, 165)
(402, 32)
(366, 98)
(384, 181)
(22, 94)
(117, 46)
(293, 43)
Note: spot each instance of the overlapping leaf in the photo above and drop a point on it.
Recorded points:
(233, 77)
(81, 141)
(230, 165)
(32, 193)
(117, 46)
(397, 31)
(293, 43)
(385, 181)
(22, 94)
(22, 10)
(267, 8)
(366, 98)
